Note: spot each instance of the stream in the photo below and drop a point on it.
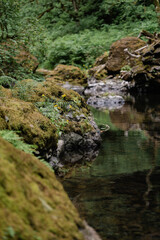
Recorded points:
(119, 193)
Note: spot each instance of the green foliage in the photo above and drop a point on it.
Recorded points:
(17, 141)
(126, 68)
(25, 89)
(69, 32)
(77, 49)
(7, 82)
(9, 233)
(8, 20)
(13, 138)
(51, 169)
(52, 110)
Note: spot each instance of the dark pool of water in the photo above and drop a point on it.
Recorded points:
(119, 194)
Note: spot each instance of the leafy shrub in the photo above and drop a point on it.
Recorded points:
(24, 89)
(77, 49)
(7, 82)
(8, 64)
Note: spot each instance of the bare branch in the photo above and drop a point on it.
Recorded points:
(131, 54)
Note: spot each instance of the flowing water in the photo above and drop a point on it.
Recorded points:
(119, 194)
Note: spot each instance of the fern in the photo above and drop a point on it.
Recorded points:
(17, 141)
(47, 164)
(13, 138)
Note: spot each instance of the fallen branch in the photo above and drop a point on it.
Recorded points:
(146, 34)
(140, 49)
(131, 54)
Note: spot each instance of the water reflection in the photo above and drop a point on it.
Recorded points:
(119, 195)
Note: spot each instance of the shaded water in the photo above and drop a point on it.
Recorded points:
(119, 194)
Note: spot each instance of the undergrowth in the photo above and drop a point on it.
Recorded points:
(84, 47)
(17, 141)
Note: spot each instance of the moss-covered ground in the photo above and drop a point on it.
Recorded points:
(33, 204)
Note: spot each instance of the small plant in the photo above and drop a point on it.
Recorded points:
(126, 68)
(53, 110)
(13, 138)
(9, 233)
(47, 164)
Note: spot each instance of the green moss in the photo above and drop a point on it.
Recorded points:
(53, 94)
(24, 117)
(33, 203)
(69, 73)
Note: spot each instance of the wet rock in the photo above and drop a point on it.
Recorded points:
(117, 56)
(109, 86)
(76, 88)
(77, 147)
(110, 102)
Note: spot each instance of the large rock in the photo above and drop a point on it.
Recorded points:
(65, 110)
(65, 73)
(24, 117)
(33, 204)
(118, 58)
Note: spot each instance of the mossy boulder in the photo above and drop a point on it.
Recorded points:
(69, 101)
(26, 59)
(33, 204)
(30, 90)
(66, 73)
(118, 58)
(5, 92)
(65, 110)
(23, 116)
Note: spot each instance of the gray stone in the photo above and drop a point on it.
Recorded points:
(109, 102)
(76, 88)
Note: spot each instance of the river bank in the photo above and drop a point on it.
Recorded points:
(119, 193)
